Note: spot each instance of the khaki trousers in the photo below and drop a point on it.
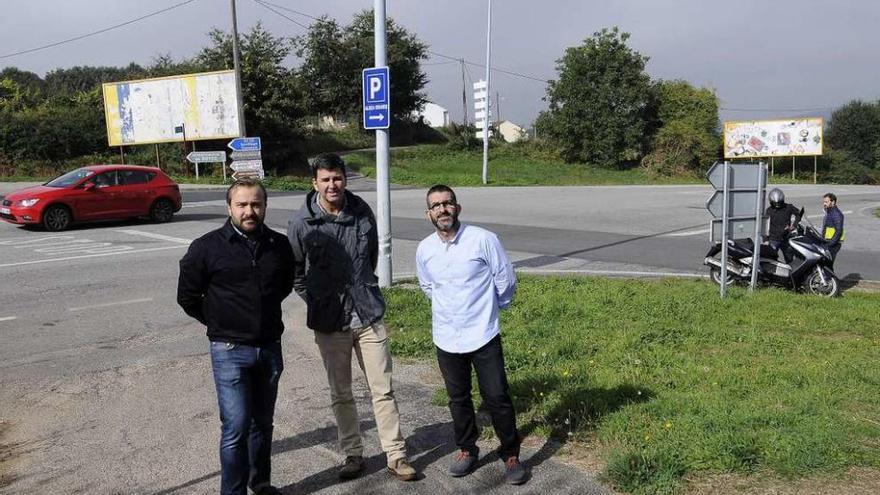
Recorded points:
(370, 344)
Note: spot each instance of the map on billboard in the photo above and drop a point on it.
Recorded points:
(149, 110)
(757, 138)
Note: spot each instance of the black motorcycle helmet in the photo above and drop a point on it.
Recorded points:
(777, 198)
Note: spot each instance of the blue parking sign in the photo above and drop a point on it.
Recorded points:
(377, 95)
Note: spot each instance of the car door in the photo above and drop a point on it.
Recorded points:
(102, 200)
(134, 191)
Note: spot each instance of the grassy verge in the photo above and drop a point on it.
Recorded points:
(509, 165)
(668, 380)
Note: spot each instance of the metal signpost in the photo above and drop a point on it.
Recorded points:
(737, 206)
(377, 115)
(246, 158)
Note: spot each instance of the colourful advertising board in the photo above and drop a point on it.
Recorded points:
(763, 138)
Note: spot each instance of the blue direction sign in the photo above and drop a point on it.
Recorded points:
(245, 144)
(377, 95)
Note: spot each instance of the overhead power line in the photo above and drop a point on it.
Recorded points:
(93, 33)
(268, 5)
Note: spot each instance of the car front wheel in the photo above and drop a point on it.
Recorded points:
(57, 218)
(161, 211)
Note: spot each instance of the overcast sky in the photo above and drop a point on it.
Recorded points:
(772, 58)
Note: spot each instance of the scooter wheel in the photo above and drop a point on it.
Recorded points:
(715, 275)
(815, 286)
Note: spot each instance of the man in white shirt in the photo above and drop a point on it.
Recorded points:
(466, 273)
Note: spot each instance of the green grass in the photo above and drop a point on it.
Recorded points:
(669, 380)
(509, 165)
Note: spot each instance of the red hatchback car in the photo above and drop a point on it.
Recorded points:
(96, 192)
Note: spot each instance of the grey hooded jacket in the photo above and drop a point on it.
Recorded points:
(335, 263)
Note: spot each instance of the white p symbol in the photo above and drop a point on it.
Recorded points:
(375, 87)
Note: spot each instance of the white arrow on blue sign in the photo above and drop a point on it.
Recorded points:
(377, 96)
(245, 144)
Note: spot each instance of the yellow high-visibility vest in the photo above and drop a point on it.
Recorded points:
(830, 231)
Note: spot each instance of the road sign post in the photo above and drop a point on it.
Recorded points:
(377, 115)
(738, 200)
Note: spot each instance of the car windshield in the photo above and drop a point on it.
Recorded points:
(70, 178)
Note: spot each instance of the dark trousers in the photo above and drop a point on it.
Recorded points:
(834, 250)
(784, 247)
(488, 361)
(246, 378)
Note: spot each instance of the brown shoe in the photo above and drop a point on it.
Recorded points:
(402, 469)
(352, 467)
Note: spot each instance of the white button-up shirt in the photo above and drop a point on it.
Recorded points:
(468, 279)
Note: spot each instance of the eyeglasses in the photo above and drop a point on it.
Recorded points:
(442, 204)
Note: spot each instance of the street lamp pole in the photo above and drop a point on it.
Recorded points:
(488, 92)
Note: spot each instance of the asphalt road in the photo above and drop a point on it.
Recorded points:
(105, 384)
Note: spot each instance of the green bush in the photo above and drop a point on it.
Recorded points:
(680, 149)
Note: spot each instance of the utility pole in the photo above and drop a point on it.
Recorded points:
(464, 112)
(237, 65)
(486, 126)
(497, 107)
(383, 180)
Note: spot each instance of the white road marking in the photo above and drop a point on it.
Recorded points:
(107, 305)
(624, 273)
(8, 318)
(200, 204)
(29, 242)
(689, 232)
(177, 240)
(133, 251)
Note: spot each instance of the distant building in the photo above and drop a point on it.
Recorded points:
(434, 115)
(512, 132)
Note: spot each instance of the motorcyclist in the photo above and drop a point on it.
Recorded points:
(784, 217)
(832, 225)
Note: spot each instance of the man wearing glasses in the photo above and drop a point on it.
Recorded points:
(466, 273)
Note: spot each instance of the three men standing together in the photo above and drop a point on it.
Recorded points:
(234, 279)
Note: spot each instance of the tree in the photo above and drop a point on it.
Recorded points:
(272, 100)
(678, 100)
(333, 58)
(686, 118)
(855, 128)
(598, 105)
(86, 78)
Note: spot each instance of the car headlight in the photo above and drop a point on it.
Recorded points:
(27, 203)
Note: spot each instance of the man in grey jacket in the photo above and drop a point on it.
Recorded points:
(335, 246)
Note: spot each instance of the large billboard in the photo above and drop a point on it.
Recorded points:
(761, 138)
(147, 111)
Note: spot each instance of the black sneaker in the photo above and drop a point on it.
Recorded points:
(266, 490)
(352, 467)
(463, 464)
(515, 472)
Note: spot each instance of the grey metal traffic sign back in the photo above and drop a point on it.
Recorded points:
(742, 176)
(739, 202)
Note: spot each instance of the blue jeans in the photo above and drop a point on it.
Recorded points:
(247, 385)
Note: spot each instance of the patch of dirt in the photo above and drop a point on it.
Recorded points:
(7, 455)
(856, 481)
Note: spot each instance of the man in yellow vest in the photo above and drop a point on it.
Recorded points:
(832, 225)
